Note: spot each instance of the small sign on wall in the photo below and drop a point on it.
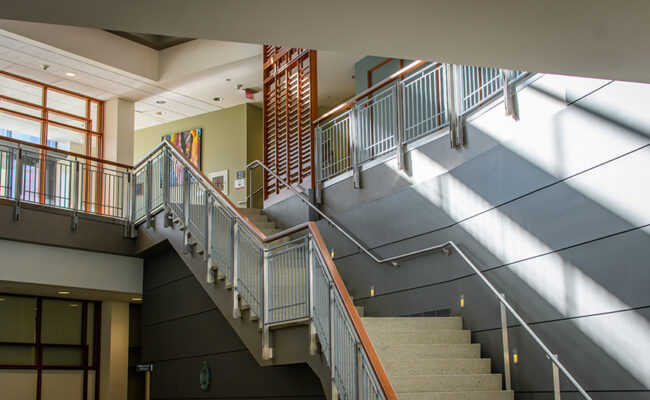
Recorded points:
(240, 184)
(241, 174)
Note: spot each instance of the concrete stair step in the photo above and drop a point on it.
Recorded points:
(258, 218)
(428, 351)
(405, 324)
(476, 395)
(446, 383)
(458, 366)
(250, 211)
(421, 336)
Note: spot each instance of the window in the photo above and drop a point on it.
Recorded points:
(37, 113)
(51, 344)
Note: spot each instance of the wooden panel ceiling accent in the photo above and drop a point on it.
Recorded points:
(290, 106)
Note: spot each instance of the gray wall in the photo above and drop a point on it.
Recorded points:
(553, 208)
(181, 327)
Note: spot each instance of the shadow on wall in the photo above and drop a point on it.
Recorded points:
(558, 218)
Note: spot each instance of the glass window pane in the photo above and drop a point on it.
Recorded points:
(66, 120)
(9, 105)
(66, 139)
(61, 322)
(18, 384)
(69, 356)
(94, 146)
(94, 116)
(11, 354)
(66, 103)
(21, 90)
(18, 316)
(20, 128)
(58, 385)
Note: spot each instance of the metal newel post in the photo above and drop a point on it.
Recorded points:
(556, 379)
(332, 343)
(509, 95)
(236, 312)
(19, 182)
(75, 195)
(186, 210)
(133, 204)
(206, 218)
(166, 192)
(313, 348)
(267, 350)
(319, 164)
(250, 188)
(399, 125)
(148, 193)
(359, 369)
(506, 347)
(454, 109)
(353, 147)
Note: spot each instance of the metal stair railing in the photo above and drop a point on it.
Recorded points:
(279, 283)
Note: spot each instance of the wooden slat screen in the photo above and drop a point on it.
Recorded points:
(289, 108)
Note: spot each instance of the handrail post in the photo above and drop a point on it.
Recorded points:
(166, 190)
(128, 218)
(236, 312)
(313, 348)
(148, 187)
(332, 343)
(267, 350)
(133, 204)
(318, 171)
(19, 182)
(250, 187)
(353, 147)
(206, 220)
(556, 380)
(509, 95)
(454, 109)
(186, 211)
(359, 370)
(399, 125)
(506, 348)
(210, 278)
(75, 195)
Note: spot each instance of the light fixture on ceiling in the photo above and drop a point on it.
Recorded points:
(64, 292)
(160, 102)
(218, 98)
(160, 113)
(2, 299)
(227, 79)
(74, 304)
(136, 298)
(70, 74)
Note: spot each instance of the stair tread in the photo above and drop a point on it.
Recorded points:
(464, 395)
(446, 383)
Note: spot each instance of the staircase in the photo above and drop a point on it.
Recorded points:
(433, 358)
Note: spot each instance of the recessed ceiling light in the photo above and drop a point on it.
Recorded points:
(70, 74)
(74, 305)
(160, 102)
(160, 113)
(136, 299)
(64, 292)
(2, 299)
(227, 79)
(218, 98)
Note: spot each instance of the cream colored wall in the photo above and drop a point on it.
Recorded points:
(224, 139)
(113, 370)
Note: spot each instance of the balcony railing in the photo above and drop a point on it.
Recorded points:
(409, 105)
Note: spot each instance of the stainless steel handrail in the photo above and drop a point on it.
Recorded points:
(446, 248)
(393, 260)
(503, 301)
(250, 195)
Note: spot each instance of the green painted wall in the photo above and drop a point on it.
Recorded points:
(226, 136)
(255, 149)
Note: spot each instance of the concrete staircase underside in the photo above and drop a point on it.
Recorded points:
(433, 359)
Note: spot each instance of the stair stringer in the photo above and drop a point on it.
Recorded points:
(290, 343)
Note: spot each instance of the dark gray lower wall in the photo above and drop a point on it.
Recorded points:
(555, 215)
(181, 328)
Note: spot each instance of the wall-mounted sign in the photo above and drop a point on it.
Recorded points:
(240, 184)
(204, 376)
(144, 367)
(241, 174)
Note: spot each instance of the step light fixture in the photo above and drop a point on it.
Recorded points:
(462, 301)
(515, 356)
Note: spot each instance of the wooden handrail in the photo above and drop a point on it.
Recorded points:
(348, 104)
(68, 153)
(364, 339)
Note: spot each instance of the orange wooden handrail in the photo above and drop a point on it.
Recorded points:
(68, 153)
(348, 104)
(339, 286)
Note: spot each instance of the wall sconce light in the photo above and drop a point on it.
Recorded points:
(332, 253)
(515, 356)
(462, 301)
(372, 291)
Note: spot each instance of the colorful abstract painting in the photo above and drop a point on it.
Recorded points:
(188, 143)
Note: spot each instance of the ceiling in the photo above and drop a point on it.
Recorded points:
(593, 38)
(190, 75)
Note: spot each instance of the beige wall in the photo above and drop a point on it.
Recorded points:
(255, 148)
(225, 136)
